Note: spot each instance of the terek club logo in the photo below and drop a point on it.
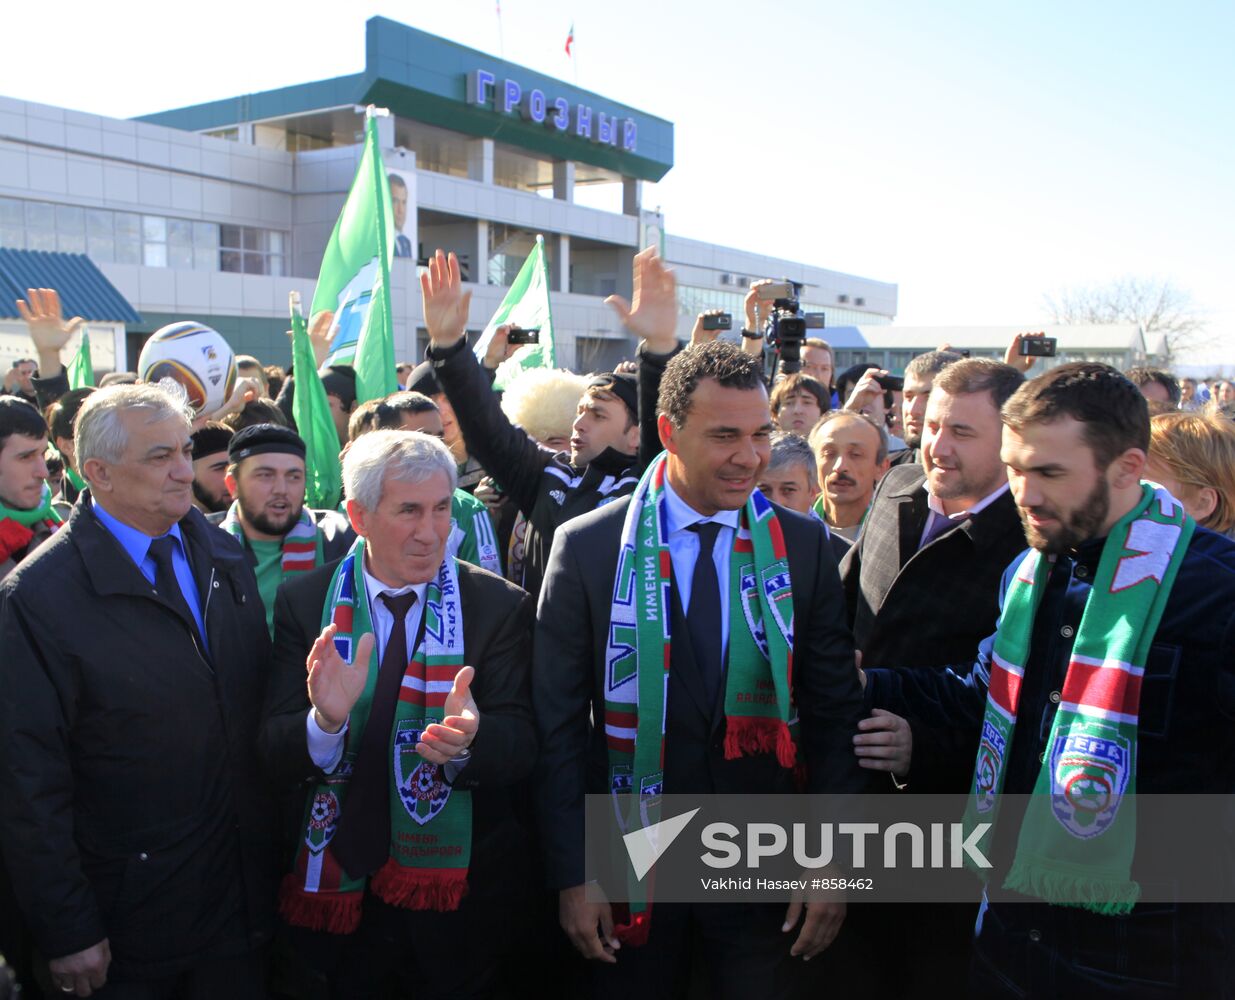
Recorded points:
(421, 788)
(1089, 777)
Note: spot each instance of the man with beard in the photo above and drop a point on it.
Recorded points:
(919, 377)
(281, 537)
(210, 493)
(922, 587)
(1114, 644)
(852, 452)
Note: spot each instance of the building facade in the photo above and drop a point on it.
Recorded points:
(215, 212)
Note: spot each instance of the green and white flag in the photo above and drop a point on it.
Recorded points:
(354, 282)
(80, 370)
(525, 305)
(311, 410)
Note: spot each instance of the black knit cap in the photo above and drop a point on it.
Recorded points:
(211, 439)
(623, 385)
(264, 439)
(423, 380)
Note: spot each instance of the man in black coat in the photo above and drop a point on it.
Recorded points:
(136, 827)
(400, 485)
(716, 426)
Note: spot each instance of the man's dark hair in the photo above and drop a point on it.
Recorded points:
(970, 375)
(340, 381)
(388, 413)
(931, 363)
(720, 361)
(397, 181)
(1143, 375)
(797, 383)
(275, 377)
(62, 413)
(256, 411)
(1113, 411)
(19, 417)
(118, 378)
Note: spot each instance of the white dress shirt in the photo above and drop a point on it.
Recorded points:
(937, 511)
(684, 550)
(326, 749)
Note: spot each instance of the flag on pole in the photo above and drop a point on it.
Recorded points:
(311, 411)
(525, 305)
(81, 369)
(354, 281)
(570, 38)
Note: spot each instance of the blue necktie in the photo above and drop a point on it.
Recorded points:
(703, 615)
(165, 583)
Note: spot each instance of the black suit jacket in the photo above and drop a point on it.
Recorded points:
(568, 686)
(497, 633)
(928, 607)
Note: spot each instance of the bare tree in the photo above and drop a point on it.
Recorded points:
(1158, 305)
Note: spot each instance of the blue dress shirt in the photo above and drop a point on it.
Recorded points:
(137, 545)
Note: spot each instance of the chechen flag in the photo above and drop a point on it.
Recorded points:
(570, 37)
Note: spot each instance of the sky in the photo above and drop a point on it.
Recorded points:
(978, 155)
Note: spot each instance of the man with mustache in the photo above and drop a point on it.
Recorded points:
(1114, 654)
(281, 537)
(852, 451)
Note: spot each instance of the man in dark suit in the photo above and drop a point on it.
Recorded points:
(465, 744)
(137, 831)
(715, 425)
(922, 585)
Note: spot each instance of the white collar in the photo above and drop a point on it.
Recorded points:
(682, 515)
(374, 587)
(936, 506)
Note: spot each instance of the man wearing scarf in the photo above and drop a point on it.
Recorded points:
(708, 704)
(416, 724)
(1113, 663)
(281, 536)
(27, 518)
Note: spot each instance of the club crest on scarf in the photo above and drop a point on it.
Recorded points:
(422, 789)
(1089, 777)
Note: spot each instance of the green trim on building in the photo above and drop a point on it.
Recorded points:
(423, 78)
(262, 336)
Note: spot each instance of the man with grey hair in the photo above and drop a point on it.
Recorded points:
(415, 727)
(851, 450)
(136, 828)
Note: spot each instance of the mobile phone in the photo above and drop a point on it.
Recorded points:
(718, 321)
(776, 290)
(891, 383)
(1038, 347)
(518, 335)
(963, 354)
(814, 321)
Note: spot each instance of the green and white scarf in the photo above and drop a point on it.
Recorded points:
(302, 546)
(17, 526)
(1078, 836)
(431, 825)
(759, 709)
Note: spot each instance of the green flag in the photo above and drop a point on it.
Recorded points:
(81, 369)
(525, 305)
(354, 282)
(314, 423)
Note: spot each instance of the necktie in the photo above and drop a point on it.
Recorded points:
(362, 842)
(703, 616)
(938, 524)
(165, 583)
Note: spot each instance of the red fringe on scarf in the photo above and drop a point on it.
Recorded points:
(747, 735)
(631, 932)
(420, 888)
(333, 912)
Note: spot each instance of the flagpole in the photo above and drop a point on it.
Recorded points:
(574, 59)
(501, 42)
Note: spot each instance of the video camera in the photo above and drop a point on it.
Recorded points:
(786, 328)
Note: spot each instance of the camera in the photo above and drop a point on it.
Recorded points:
(519, 335)
(786, 328)
(1038, 347)
(718, 321)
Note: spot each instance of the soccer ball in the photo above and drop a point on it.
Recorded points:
(195, 356)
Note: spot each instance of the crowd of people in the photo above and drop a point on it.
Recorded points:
(249, 748)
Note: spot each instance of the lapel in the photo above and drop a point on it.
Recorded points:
(912, 512)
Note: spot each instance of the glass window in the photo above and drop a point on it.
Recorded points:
(229, 236)
(154, 229)
(154, 254)
(41, 217)
(39, 240)
(180, 232)
(229, 260)
(275, 242)
(254, 263)
(253, 239)
(180, 256)
(205, 235)
(13, 237)
(276, 265)
(12, 212)
(70, 219)
(71, 242)
(128, 237)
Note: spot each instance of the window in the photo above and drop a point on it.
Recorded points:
(12, 223)
(70, 229)
(251, 251)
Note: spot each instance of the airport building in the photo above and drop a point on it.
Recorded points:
(215, 212)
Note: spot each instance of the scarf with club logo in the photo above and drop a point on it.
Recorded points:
(759, 716)
(302, 546)
(431, 825)
(17, 526)
(1077, 840)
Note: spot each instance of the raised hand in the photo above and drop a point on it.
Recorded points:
(867, 389)
(444, 741)
(48, 328)
(334, 684)
(698, 335)
(652, 312)
(757, 308)
(321, 335)
(445, 301)
(1012, 356)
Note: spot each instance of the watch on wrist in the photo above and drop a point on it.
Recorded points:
(750, 335)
